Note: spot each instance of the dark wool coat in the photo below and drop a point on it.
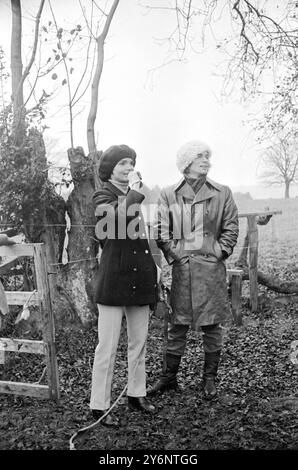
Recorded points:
(199, 289)
(127, 274)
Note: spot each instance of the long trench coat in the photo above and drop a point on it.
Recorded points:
(127, 273)
(196, 232)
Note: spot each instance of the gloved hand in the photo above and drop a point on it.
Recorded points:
(135, 180)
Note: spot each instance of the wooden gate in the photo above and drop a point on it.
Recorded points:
(41, 298)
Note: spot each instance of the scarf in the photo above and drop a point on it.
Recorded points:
(122, 186)
(196, 183)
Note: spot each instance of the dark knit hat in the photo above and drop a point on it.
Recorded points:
(111, 157)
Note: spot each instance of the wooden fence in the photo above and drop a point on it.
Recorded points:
(253, 246)
(41, 298)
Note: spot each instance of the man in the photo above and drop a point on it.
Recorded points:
(197, 229)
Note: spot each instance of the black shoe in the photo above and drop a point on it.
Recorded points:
(107, 420)
(140, 403)
(209, 388)
(162, 386)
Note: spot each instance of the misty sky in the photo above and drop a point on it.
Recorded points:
(155, 113)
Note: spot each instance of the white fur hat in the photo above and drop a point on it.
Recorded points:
(189, 152)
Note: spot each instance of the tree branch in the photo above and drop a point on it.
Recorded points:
(36, 32)
(96, 79)
(242, 32)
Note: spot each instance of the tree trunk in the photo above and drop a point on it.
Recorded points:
(16, 54)
(77, 276)
(94, 96)
(275, 284)
(287, 189)
(17, 72)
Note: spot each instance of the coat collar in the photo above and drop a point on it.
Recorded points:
(182, 182)
(108, 185)
(207, 191)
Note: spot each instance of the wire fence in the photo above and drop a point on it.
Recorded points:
(281, 230)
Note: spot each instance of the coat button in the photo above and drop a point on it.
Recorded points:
(134, 269)
(206, 234)
(134, 287)
(134, 252)
(146, 251)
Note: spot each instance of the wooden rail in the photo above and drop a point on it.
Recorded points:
(253, 246)
(4, 267)
(46, 347)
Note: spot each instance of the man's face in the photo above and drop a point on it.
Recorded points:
(200, 166)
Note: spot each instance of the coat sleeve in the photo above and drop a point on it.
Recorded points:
(229, 225)
(104, 202)
(163, 229)
(114, 215)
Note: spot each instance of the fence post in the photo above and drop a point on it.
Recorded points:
(47, 319)
(236, 288)
(253, 261)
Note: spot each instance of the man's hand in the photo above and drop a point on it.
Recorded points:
(135, 180)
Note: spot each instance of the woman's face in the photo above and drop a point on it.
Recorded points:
(122, 170)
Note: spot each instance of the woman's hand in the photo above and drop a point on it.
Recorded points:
(135, 180)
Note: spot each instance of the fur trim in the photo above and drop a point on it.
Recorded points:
(189, 152)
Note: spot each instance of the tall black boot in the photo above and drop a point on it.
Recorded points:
(210, 373)
(168, 379)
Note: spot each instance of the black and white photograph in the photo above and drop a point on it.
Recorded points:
(149, 231)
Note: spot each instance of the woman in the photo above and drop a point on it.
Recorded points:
(126, 283)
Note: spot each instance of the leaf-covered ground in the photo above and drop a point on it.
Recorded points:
(256, 407)
(257, 403)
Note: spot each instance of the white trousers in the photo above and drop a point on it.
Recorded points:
(109, 327)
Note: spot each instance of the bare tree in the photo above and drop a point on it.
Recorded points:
(258, 40)
(281, 164)
(28, 200)
(256, 36)
(255, 41)
(18, 76)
